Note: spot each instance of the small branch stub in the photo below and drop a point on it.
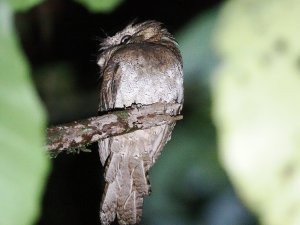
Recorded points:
(78, 134)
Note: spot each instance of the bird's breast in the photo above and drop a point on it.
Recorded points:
(148, 75)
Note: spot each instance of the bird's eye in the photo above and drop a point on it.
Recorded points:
(125, 39)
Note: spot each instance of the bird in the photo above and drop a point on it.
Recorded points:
(139, 65)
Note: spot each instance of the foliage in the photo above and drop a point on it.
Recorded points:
(197, 48)
(23, 162)
(256, 105)
(22, 4)
(100, 5)
(93, 5)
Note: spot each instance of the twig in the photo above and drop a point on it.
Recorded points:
(78, 134)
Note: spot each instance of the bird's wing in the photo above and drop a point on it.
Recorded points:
(109, 87)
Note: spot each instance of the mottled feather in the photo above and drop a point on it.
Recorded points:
(144, 68)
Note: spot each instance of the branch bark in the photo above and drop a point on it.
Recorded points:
(78, 134)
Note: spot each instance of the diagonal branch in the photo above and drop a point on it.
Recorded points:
(78, 134)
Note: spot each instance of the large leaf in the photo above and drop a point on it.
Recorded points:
(23, 161)
(22, 4)
(257, 105)
(100, 5)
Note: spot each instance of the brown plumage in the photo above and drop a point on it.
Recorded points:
(140, 65)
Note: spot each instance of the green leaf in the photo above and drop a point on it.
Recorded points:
(197, 49)
(23, 161)
(257, 105)
(22, 4)
(100, 5)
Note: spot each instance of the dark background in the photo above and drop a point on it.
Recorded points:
(61, 41)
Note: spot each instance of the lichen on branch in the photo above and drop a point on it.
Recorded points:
(78, 134)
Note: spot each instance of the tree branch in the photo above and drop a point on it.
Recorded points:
(78, 134)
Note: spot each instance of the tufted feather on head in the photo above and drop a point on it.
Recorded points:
(148, 31)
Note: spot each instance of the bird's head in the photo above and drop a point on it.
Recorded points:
(147, 32)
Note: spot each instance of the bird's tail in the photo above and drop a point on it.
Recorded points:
(127, 183)
(127, 159)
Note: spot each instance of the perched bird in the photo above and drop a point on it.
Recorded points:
(139, 65)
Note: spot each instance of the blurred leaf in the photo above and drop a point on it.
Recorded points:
(23, 161)
(257, 107)
(195, 41)
(22, 4)
(100, 5)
